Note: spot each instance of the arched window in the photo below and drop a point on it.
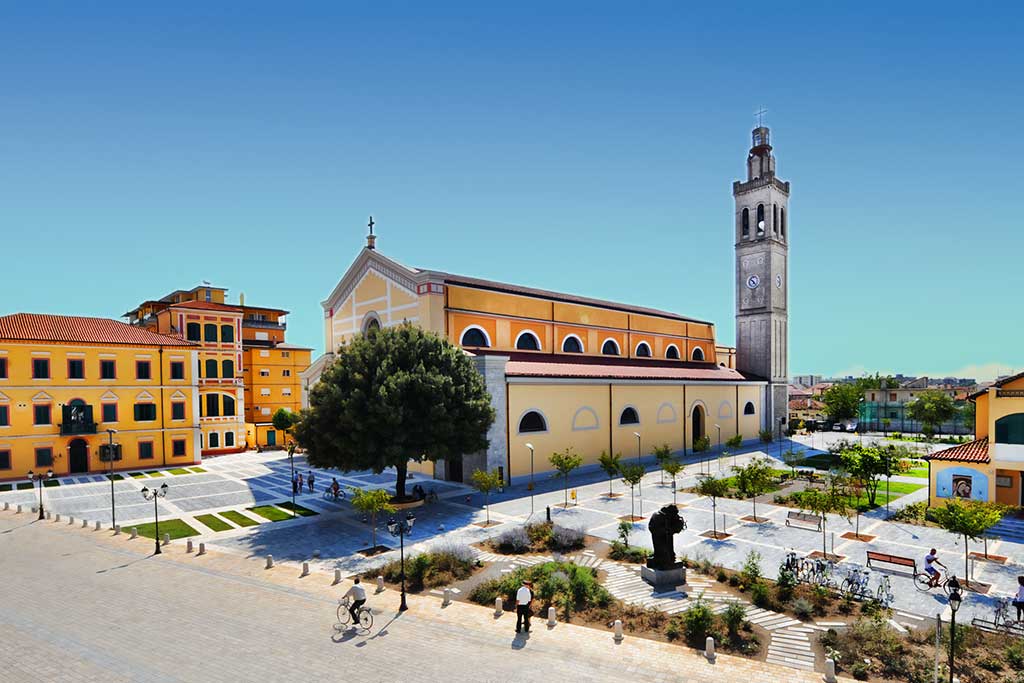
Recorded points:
(746, 222)
(227, 369)
(527, 341)
(474, 336)
(227, 405)
(698, 353)
(643, 350)
(229, 439)
(532, 421)
(572, 344)
(227, 333)
(209, 332)
(610, 347)
(629, 416)
(775, 218)
(214, 440)
(1010, 429)
(371, 323)
(782, 222)
(212, 405)
(760, 219)
(748, 409)
(672, 352)
(193, 331)
(211, 369)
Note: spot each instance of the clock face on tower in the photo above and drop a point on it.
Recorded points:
(753, 281)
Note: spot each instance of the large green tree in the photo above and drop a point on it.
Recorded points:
(967, 518)
(931, 408)
(394, 395)
(842, 401)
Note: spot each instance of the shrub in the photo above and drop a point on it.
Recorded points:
(734, 441)
(540, 533)
(859, 671)
(707, 567)
(734, 580)
(625, 530)
(620, 551)
(752, 567)
(702, 444)
(674, 629)
(760, 595)
(915, 513)
(821, 597)
(787, 579)
(564, 538)
(802, 608)
(1015, 655)
(990, 663)
(734, 616)
(697, 621)
(437, 567)
(722, 576)
(576, 586)
(513, 541)
(767, 436)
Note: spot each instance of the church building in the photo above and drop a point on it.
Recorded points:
(569, 371)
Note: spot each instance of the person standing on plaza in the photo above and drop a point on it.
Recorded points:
(311, 478)
(301, 482)
(524, 596)
(295, 485)
(1018, 600)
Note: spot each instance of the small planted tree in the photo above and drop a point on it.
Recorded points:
(702, 444)
(792, 459)
(662, 454)
(673, 468)
(485, 482)
(283, 420)
(830, 500)
(714, 489)
(372, 502)
(632, 474)
(564, 463)
(735, 441)
(625, 529)
(610, 465)
(886, 423)
(931, 408)
(766, 435)
(967, 518)
(754, 479)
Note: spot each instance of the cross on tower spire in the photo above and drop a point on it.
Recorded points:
(760, 116)
(371, 239)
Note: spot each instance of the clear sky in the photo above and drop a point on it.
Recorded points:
(588, 148)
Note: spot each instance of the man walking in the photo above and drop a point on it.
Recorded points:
(524, 596)
(310, 479)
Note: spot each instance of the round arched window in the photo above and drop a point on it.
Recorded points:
(532, 422)
(672, 352)
(610, 348)
(629, 417)
(474, 337)
(698, 353)
(748, 409)
(643, 350)
(572, 344)
(527, 341)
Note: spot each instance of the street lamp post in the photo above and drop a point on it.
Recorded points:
(400, 528)
(719, 428)
(39, 479)
(110, 457)
(154, 495)
(955, 598)
(291, 464)
(530, 446)
(640, 484)
(782, 421)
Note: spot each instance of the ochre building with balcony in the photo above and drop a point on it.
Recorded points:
(66, 380)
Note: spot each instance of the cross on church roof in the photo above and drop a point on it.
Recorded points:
(760, 116)
(371, 224)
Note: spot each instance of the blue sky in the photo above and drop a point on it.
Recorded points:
(584, 147)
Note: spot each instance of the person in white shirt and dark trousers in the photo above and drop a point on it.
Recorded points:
(524, 596)
(1018, 601)
(358, 595)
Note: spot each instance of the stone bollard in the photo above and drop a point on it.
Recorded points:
(709, 649)
(7, 505)
(56, 517)
(499, 608)
(617, 628)
(380, 584)
(202, 549)
(337, 577)
(551, 616)
(117, 529)
(98, 526)
(447, 597)
(49, 515)
(167, 539)
(85, 524)
(188, 546)
(135, 532)
(830, 671)
(270, 561)
(305, 569)
(18, 511)
(71, 520)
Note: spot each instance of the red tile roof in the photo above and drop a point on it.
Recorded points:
(805, 404)
(631, 370)
(207, 306)
(71, 328)
(974, 451)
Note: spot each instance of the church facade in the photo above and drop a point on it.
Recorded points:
(567, 371)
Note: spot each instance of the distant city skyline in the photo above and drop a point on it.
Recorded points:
(586, 151)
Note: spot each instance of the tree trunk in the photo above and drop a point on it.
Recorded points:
(967, 562)
(401, 471)
(754, 501)
(373, 530)
(824, 542)
(632, 509)
(487, 508)
(714, 519)
(565, 490)
(609, 487)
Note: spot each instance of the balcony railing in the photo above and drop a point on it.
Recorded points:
(77, 419)
(1009, 393)
(264, 324)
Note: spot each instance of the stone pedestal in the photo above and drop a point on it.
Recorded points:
(666, 579)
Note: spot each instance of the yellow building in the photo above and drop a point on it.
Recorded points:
(991, 467)
(247, 371)
(562, 370)
(66, 380)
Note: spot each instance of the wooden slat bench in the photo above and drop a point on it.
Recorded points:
(803, 518)
(892, 559)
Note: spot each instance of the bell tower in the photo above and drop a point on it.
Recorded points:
(762, 275)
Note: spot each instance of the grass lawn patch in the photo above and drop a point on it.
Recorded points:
(179, 470)
(155, 473)
(214, 522)
(175, 527)
(271, 512)
(114, 477)
(25, 485)
(51, 482)
(238, 518)
(921, 472)
(302, 512)
(138, 475)
(197, 470)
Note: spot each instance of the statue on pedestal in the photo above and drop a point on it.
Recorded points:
(662, 568)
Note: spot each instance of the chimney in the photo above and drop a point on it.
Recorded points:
(241, 298)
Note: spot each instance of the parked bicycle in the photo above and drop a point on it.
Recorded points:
(820, 572)
(344, 616)
(884, 594)
(855, 585)
(1001, 619)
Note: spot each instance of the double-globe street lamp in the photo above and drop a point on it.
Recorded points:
(639, 484)
(530, 446)
(399, 528)
(39, 479)
(110, 458)
(153, 495)
(955, 599)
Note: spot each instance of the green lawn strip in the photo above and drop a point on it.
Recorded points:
(271, 512)
(51, 482)
(25, 485)
(238, 518)
(179, 470)
(197, 470)
(214, 522)
(155, 473)
(6, 487)
(115, 477)
(138, 475)
(302, 512)
(175, 527)
(920, 472)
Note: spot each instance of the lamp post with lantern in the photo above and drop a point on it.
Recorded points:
(39, 479)
(399, 528)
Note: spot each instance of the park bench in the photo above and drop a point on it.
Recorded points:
(803, 518)
(892, 559)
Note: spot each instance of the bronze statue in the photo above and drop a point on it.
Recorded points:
(664, 524)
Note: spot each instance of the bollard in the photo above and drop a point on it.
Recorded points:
(48, 515)
(188, 546)
(7, 505)
(551, 616)
(19, 510)
(85, 524)
(202, 549)
(337, 577)
(117, 529)
(830, 671)
(498, 607)
(135, 532)
(305, 569)
(56, 517)
(447, 597)
(618, 630)
(167, 539)
(270, 561)
(549, 514)
(709, 649)
(98, 526)
(380, 584)
(71, 520)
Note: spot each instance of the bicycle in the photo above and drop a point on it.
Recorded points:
(923, 581)
(344, 616)
(822, 572)
(329, 494)
(1001, 619)
(884, 594)
(855, 585)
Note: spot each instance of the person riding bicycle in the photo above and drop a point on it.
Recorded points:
(929, 560)
(358, 595)
(335, 487)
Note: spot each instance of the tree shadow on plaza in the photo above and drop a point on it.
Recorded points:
(20, 526)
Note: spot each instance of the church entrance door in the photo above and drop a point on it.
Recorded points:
(697, 423)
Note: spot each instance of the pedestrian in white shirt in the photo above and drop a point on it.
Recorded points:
(1018, 600)
(524, 596)
(358, 595)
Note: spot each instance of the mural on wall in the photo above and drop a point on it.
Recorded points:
(961, 486)
(961, 482)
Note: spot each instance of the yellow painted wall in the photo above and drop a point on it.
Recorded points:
(938, 466)
(20, 393)
(650, 401)
(664, 326)
(999, 407)
(981, 416)
(484, 301)
(575, 314)
(265, 370)
(1009, 495)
